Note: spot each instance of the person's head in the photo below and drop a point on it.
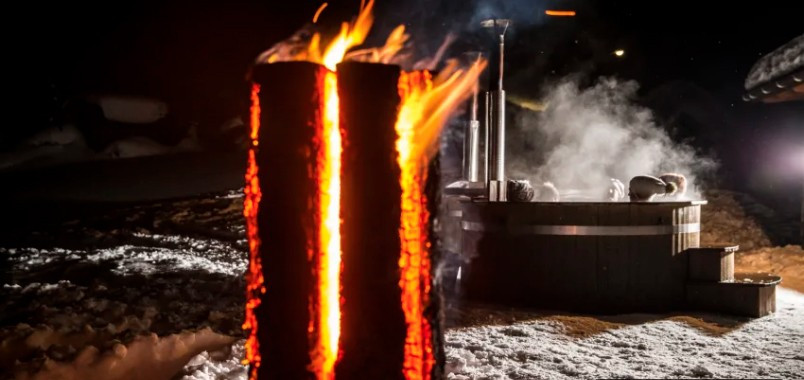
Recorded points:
(678, 179)
(670, 188)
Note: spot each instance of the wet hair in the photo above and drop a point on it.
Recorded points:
(678, 179)
(670, 188)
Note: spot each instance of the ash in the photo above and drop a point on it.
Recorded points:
(156, 291)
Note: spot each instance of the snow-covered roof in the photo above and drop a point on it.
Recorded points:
(782, 61)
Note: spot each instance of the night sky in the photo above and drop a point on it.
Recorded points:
(172, 46)
(195, 55)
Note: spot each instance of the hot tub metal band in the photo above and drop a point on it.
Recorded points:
(570, 230)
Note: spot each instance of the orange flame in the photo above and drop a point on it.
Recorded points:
(425, 109)
(351, 34)
(254, 280)
(325, 350)
(414, 259)
(318, 12)
(426, 105)
(383, 54)
(560, 13)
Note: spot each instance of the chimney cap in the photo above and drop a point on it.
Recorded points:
(497, 25)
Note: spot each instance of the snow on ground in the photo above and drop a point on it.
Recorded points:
(770, 347)
(120, 283)
(217, 365)
(784, 60)
(626, 346)
(116, 286)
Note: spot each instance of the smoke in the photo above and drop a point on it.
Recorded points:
(585, 137)
(429, 22)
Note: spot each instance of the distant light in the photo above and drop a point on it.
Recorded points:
(619, 52)
(797, 160)
(560, 13)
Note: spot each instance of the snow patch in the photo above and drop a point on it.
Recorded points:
(764, 347)
(146, 357)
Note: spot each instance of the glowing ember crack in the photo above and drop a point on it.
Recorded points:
(255, 283)
(325, 350)
(427, 102)
(414, 261)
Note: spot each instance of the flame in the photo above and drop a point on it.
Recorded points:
(318, 12)
(254, 280)
(337, 50)
(426, 105)
(351, 34)
(325, 350)
(560, 13)
(425, 108)
(383, 54)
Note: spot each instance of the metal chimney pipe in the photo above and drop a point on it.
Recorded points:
(471, 142)
(486, 137)
(496, 113)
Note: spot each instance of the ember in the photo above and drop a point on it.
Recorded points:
(254, 277)
(326, 350)
(560, 13)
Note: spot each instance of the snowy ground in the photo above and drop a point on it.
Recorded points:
(628, 346)
(635, 346)
(161, 283)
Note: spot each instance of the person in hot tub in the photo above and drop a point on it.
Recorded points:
(643, 188)
(679, 180)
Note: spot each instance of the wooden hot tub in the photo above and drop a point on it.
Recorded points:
(584, 256)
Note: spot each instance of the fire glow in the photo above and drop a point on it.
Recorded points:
(254, 280)
(325, 351)
(426, 105)
(414, 262)
(350, 35)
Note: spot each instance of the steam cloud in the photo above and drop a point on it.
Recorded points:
(588, 136)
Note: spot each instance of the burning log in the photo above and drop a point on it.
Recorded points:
(308, 317)
(373, 320)
(283, 223)
(386, 277)
(333, 304)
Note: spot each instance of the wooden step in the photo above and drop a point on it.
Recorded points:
(751, 295)
(714, 263)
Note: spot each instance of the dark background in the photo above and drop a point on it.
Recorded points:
(690, 57)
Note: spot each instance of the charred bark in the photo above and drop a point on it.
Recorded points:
(373, 324)
(288, 144)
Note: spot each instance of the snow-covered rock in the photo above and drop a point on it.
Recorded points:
(130, 109)
(784, 60)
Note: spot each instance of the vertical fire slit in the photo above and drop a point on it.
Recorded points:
(254, 279)
(325, 349)
(414, 260)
